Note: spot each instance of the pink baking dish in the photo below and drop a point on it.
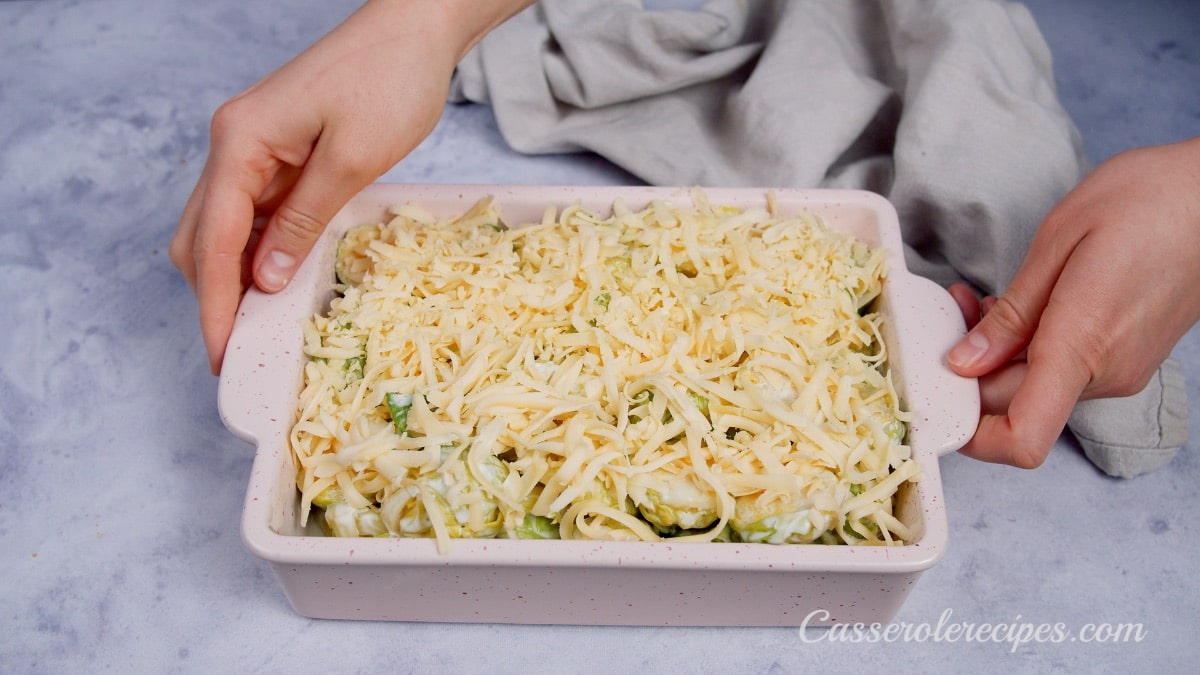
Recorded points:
(583, 582)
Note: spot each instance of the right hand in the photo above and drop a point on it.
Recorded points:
(290, 151)
(1107, 289)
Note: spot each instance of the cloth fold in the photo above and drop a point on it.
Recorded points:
(947, 107)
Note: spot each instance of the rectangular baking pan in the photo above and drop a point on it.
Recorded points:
(588, 582)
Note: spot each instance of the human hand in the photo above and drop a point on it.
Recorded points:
(1106, 290)
(290, 151)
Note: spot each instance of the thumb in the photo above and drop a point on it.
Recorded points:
(1008, 325)
(1000, 335)
(322, 189)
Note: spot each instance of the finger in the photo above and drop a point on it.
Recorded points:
(967, 302)
(1022, 438)
(985, 305)
(329, 181)
(183, 243)
(1001, 333)
(223, 230)
(276, 190)
(997, 388)
(260, 223)
(1038, 411)
(1011, 320)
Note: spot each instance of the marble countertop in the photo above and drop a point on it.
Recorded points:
(121, 497)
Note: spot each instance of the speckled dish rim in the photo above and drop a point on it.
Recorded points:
(261, 379)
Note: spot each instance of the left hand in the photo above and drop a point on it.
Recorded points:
(287, 153)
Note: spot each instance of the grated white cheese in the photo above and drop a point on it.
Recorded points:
(698, 372)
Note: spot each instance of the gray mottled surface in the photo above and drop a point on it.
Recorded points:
(120, 490)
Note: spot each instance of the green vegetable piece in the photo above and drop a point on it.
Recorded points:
(344, 520)
(789, 527)
(341, 519)
(689, 510)
(351, 261)
(829, 538)
(340, 264)
(856, 489)
(701, 403)
(643, 397)
(493, 471)
(863, 526)
(727, 535)
(398, 406)
(603, 299)
(771, 523)
(353, 367)
(619, 267)
(328, 496)
(536, 527)
(444, 486)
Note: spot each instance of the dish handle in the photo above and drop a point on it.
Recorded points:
(259, 378)
(945, 404)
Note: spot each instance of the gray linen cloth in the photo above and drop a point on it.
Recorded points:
(947, 107)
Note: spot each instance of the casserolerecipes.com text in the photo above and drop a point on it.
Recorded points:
(1013, 633)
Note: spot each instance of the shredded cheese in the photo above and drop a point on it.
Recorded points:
(697, 372)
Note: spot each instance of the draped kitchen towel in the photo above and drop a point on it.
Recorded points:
(947, 107)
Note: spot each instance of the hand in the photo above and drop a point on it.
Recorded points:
(289, 152)
(1107, 289)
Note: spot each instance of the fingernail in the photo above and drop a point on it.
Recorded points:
(275, 271)
(968, 350)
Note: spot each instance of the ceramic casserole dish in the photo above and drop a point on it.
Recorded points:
(592, 582)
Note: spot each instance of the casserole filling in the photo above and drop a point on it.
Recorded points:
(695, 372)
